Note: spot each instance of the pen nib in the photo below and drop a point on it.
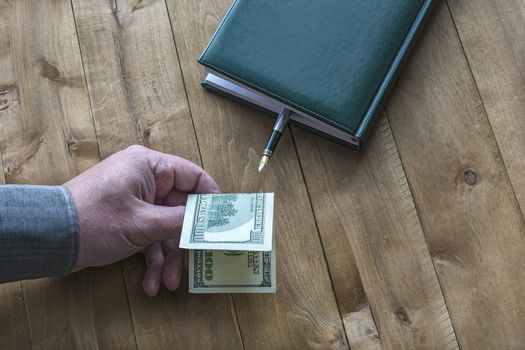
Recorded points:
(263, 162)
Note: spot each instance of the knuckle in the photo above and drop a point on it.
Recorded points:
(136, 149)
(153, 261)
(161, 167)
(170, 245)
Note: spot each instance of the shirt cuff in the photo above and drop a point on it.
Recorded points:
(38, 232)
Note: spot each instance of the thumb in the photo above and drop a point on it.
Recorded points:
(162, 222)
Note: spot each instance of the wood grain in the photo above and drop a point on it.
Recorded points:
(469, 213)
(106, 79)
(48, 80)
(47, 138)
(14, 330)
(362, 201)
(138, 96)
(85, 310)
(492, 36)
(303, 313)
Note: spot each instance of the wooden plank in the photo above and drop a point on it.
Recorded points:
(85, 310)
(14, 330)
(48, 140)
(170, 320)
(361, 330)
(493, 37)
(470, 216)
(303, 313)
(50, 87)
(362, 200)
(138, 96)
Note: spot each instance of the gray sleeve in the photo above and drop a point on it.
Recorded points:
(38, 232)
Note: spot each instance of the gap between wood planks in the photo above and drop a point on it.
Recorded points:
(453, 336)
(88, 92)
(184, 84)
(321, 240)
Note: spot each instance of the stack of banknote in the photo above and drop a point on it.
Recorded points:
(231, 243)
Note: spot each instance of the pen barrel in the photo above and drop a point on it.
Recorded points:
(282, 120)
(272, 142)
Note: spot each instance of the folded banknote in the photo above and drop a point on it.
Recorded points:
(230, 237)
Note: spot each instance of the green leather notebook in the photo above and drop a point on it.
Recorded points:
(331, 62)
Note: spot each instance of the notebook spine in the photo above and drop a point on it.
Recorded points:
(386, 86)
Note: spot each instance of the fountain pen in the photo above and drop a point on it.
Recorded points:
(275, 136)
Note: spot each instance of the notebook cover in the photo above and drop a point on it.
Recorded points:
(332, 59)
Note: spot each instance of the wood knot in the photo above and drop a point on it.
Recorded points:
(139, 5)
(470, 177)
(4, 104)
(147, 134)
(72, 145)
(402, 316)
(11, 172)
(8, 96)
(49, 71)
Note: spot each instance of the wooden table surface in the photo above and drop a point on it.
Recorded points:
(418, 241)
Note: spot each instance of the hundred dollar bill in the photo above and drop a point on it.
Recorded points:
(235, 221)
(218, 271)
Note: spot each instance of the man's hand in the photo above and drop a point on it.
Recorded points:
(134, 201)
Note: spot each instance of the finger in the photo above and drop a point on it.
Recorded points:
(153, 275)
(185, 175)
(170, 245)
(175, 199)
(159, 223)
(189, 177)
(172, 274)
